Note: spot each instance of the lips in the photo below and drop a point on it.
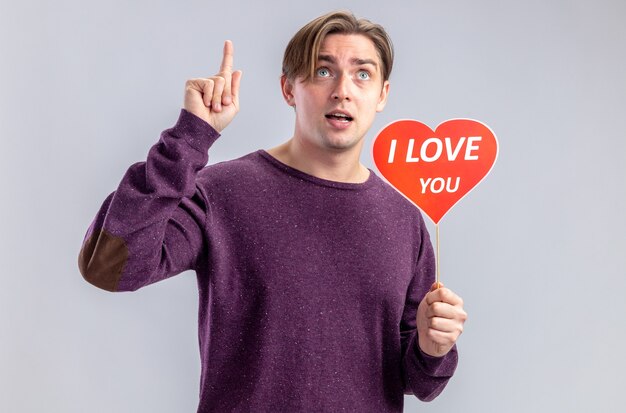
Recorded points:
(339, 115)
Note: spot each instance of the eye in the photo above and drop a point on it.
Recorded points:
(363, 75)
(323, 72)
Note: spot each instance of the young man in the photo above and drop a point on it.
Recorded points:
(313, 273)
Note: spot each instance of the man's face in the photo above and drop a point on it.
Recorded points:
(336, 107)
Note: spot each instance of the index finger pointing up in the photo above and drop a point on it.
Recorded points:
(227, 60)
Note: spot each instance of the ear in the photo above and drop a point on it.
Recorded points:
(286, 87)
(382, 100)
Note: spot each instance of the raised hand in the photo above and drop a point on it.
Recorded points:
(440, 319)
(215, 99)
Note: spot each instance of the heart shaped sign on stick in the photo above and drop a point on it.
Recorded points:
(435, 169)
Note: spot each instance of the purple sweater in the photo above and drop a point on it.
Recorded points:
(308, 288)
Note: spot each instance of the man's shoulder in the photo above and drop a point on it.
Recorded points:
(387, 191)
(242, 178)
(397, 205)
(228, 171)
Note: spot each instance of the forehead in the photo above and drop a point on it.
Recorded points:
(349, 47)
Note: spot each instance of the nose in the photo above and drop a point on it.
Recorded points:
(342, 88)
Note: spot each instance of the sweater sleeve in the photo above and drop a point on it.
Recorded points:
(424, 376)
(151, 227)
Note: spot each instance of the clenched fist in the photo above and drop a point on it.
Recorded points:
(440, 319)
(215, 99)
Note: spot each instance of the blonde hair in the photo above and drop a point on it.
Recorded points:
(301, 54)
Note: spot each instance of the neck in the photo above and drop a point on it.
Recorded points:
(333, 165)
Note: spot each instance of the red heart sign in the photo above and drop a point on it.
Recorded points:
(436, 169)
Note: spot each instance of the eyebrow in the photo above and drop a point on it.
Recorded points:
(355, 61)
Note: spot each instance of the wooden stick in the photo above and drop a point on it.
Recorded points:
(437, 237)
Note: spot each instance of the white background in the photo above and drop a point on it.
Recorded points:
(537, 250)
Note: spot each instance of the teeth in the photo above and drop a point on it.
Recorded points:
(339, 115)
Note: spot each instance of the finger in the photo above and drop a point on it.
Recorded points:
(444, 295)
(440, 309)
(218, 89)
(194, 86)
(441, 337)
(207, 91)
(445, 326)
(446, 311)
(235, 82)
(436, 285)
(226, 94)
(227, 59)
(226, 69)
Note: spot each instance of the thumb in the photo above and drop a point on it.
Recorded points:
(436, 285)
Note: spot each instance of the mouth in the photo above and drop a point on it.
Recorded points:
(339, 116)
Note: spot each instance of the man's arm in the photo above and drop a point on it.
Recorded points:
(151, 227)
(425, 375)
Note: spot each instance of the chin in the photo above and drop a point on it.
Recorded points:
(341, 144)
